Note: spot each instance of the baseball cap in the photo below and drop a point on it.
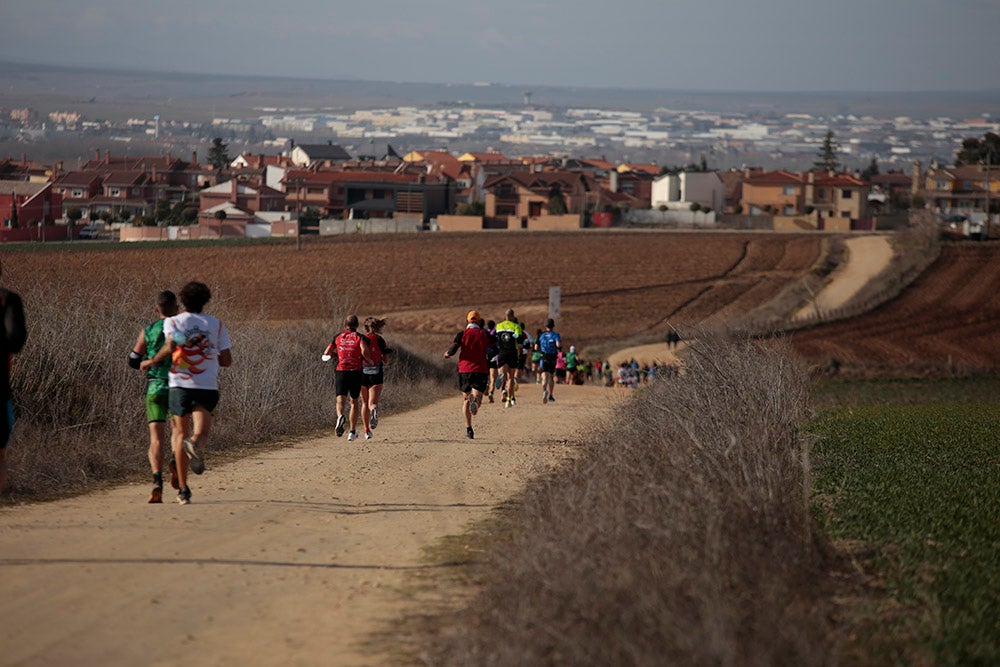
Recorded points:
(473, 316)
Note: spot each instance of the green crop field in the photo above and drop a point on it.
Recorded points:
(909, 474)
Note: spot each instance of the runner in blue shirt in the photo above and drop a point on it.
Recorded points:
(549, 344)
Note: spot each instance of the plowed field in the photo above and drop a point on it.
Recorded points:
(613, 284)
(950, 315)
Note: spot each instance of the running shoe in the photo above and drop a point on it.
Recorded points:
(156, 495)
(490, 396)
(507, 403)
(503, 396)
(197, 463)
(468, 433)
(174, 482)
(341, 421)
(545, 396)
(552, 399)
(374, 419)
(368, 435)
(184, 496)
(353, 435)
(473, 406)
(498, 382)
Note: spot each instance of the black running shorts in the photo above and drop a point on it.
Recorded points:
(469, 381)
(348, 383)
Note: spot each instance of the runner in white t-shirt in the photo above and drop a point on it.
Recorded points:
(198, 345)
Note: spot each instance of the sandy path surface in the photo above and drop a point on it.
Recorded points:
(867, 256)
(288, 558)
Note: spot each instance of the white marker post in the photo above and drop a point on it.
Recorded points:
(555, 296)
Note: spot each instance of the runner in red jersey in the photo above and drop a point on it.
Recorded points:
(372, 376)
(351, 350)
(473, 366)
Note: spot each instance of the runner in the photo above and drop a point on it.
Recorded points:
(371, 380)
(352, 351)
(198, 345)
(15, 333)
(536, 358)
(473, 366)
(508, 337)
(571, 365)
(548, 344)
(148, 343)
(524, 354)
(491, 356)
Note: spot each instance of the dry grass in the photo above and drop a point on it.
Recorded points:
(81, 418)
(681, 534)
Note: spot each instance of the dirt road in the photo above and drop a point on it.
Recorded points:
(288, 558)
(867, 256)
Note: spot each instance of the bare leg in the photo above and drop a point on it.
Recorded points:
(179, 426)
(366, 409)
(157, 438)
(355, 410)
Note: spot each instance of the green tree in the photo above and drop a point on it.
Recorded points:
(74, 213)
(980, 151)
(870, 170)
(557, 205)
(828, 153)
(161, 212)
(218, 155)
(473, 208)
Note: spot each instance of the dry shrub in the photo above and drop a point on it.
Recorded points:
(681, 534)
(80, 409)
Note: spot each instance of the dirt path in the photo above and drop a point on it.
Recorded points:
(289, 558)
(867, 257)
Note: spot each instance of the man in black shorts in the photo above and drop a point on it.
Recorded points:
(351, 350)
(473, 367)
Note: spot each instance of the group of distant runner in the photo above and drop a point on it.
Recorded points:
(182, 352)
(493, 356)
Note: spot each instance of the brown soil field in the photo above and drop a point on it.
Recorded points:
(950, 316)
(614, 284)
(618, 287)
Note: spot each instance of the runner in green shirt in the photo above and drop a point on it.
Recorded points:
(149, 342)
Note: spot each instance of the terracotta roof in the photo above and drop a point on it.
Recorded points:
(23, 188)
(80, 178)
(327, 177)
(485, 158)
(644, 168)
(775, 178)
(125, 178)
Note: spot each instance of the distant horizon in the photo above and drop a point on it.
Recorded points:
(110, 69)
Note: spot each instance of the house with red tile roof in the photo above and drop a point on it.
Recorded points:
(23, 203)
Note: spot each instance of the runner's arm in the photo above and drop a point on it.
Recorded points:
(457, 343)
(226, 357)
(135, 356)
(161, 354)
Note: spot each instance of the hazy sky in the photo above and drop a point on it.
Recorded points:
(729, 45)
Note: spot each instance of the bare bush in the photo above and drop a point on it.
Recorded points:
(680, 535)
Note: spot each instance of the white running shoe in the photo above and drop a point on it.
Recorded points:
(374, 419)
(368, 435)
(195, 460)
(353, 435)
(341, 420)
